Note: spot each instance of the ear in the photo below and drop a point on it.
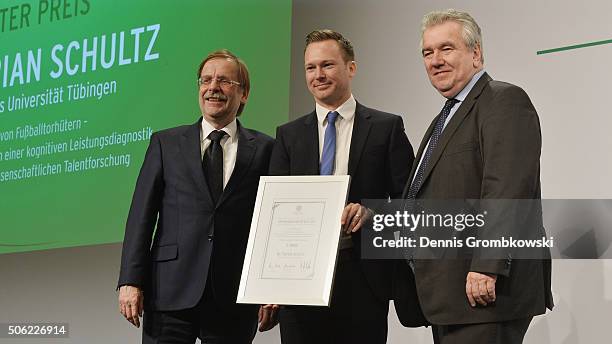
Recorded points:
(352, 68)
(244, 97)
(477, 56)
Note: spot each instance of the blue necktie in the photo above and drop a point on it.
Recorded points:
(433, 142)
(328, 156)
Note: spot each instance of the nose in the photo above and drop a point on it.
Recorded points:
(319, 73)
(437, 59)
(214, 84)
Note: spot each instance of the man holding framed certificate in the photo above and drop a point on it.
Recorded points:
(343, 137)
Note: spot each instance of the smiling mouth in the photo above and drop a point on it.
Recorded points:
(215, 98)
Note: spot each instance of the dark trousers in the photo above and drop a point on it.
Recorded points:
(505, 332)
(207, 321)
(355, 316)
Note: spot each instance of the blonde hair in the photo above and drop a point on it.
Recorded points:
(327, 34)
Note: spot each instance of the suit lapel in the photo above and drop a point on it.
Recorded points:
(244, 157)
(361, 129)
(420, 152)
(464, 108)
(191, 149)
(310, 145)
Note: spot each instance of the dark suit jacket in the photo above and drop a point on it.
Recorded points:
(490, 149)
(193, 235)
(380, 157)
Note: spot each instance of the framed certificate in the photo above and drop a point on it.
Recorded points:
(293, 243)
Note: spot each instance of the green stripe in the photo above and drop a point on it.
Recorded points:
(577, 46)
(26, 245)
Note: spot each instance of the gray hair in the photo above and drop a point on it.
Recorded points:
(471, 33)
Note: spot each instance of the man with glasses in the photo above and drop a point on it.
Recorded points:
(198, 183)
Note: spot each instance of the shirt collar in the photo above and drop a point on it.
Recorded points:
(464, 92)
(230, 129)
(346, 110)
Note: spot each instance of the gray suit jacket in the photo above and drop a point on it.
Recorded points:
(490, 149)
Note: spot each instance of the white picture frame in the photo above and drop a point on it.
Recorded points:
(293, 242)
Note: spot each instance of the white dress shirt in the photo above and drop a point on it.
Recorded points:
(344, 132)
(229, 144)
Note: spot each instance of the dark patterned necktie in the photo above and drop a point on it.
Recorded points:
(212, 163)
(433, 142)
(409, 206)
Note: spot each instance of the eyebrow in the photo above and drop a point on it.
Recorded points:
(319, 62)
(210, 75)
(442, 44)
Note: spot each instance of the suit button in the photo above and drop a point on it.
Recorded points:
(210, 237)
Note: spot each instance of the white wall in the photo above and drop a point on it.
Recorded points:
(569, 89)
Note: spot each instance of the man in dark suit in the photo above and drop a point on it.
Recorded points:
(343, 137)
(188, 225)
(484, 144)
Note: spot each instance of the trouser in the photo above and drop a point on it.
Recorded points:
(207, 321)
(356, 315)
(505, 332)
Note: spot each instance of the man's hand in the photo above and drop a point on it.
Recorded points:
(353, 217)
(131, 303)
(480, 288)
(268, 317)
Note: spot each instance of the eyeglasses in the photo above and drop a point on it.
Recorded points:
(225, 83)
